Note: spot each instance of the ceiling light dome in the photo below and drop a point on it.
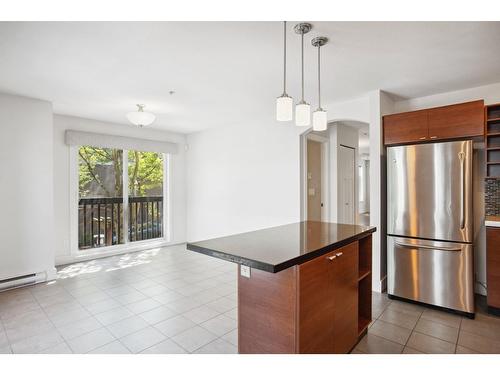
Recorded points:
(141, 118)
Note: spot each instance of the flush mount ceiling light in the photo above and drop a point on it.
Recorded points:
(319, 115)
(141, 118)
(284, 103)
(302, 109)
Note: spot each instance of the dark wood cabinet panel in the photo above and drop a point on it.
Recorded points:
(345, 297)
(457, 121)
(409, 127)
(267, 312)
(328, 292)
(316, 293)
(493, 266)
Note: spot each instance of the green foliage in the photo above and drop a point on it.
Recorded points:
(145, 171)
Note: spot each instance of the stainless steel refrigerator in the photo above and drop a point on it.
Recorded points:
(429, 224)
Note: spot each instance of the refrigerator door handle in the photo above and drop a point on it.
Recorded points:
(427, 247)
(461, 157)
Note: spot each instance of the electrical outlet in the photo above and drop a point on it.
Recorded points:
(245, 271)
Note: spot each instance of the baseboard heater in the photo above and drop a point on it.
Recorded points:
(19, 281)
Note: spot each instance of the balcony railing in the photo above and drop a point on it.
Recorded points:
(100, 220)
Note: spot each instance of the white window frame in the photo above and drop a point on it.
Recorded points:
(76, 254)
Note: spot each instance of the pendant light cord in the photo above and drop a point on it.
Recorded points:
(302, 37)
(284, 58)
(319, 78)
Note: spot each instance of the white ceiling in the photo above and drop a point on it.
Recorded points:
(226, 73)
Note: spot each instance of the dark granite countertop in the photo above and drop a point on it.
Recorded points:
(277, 248)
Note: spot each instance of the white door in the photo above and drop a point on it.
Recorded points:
(346, 188)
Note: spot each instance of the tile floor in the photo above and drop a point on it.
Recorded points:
(175, 301)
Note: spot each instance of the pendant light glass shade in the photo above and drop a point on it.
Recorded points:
(320, 122)
(303, 114)
(141, 118)
(284, 108)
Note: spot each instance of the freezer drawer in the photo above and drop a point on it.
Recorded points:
(429, 191)
(433, 272)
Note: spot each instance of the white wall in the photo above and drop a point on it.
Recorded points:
(62, 177)
(490, 94)
(242, 178)
(26, 180)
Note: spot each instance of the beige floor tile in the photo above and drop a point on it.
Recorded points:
(165, 347)
(408, 350)
(409, 308)
(174, 326)
(442, 317)
(143, 339)
(194, 338)
(478, 343)
(429, 344)
(114, 347)
(90, 341)
(371, 344)
(231, 337)
(390, 332)
(399, 318)
(437, 330)
(482, 326)
(464, 350)
(36, 344)
(218, 346)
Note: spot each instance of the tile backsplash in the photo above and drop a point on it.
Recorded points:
(492, 197)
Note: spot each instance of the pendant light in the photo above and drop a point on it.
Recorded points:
(320, 121)
(302, 109)
(284, 103)
(141, 118)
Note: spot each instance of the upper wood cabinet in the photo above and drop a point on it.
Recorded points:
(405, 127)
(457, 121)
(463, 120)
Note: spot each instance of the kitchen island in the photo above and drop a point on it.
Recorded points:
(302, 288)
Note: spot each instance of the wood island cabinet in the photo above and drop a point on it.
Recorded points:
(302, 287)
(464, 120)
(318, 307)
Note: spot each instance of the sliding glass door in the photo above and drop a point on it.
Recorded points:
(118, 204)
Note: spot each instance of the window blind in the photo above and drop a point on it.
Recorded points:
(79, 138)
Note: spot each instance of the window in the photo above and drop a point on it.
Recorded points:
(108, 216)
(145, 189)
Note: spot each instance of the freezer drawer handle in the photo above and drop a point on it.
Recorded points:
(428, 247)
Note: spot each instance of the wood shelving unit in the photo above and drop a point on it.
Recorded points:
(492, 140)
(364, 285)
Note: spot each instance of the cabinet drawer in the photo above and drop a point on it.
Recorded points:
(407, 127)
(457, 121)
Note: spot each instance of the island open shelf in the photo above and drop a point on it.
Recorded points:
(302, 287)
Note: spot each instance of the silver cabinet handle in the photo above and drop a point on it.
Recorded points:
(422, 137)
(339, 254)
(428, 247)
(433, 137)
(461, 156)
(331, 258)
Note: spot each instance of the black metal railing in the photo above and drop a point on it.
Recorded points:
(100, 220)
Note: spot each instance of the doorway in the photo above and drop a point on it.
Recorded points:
(346, 176)
(314, 191)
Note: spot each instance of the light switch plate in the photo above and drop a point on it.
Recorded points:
(245, 271)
